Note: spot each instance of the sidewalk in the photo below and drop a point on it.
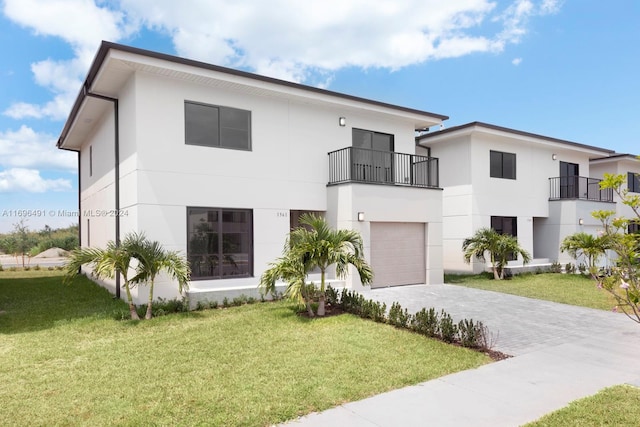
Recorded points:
(561, 353)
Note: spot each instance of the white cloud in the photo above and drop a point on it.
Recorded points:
(30, 181)
(516, 61)
(26, 148)
(82, 24)
(289, 39)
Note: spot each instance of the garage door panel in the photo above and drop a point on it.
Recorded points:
(398, 253)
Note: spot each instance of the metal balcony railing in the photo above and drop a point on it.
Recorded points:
(352, 164)
(578, 187)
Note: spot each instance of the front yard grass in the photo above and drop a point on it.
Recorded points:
(613, 406)
(573, 289)
(66, 360)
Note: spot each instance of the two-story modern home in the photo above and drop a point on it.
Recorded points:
(537, 188)
(219, 164)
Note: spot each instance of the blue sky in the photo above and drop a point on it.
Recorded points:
(566, 69)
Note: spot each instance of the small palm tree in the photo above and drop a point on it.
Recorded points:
(118, 259)
(587, 245)
(114, 259)
(153, 259)
(316, 245)
(500, 247)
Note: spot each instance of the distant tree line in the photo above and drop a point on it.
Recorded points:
(22, 242)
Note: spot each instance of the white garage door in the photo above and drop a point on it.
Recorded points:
(397, 253)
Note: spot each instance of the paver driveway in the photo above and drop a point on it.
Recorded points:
(561, 353)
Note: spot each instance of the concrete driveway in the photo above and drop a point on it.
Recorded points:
(561, 353)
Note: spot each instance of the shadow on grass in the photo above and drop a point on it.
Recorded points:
(36, 303)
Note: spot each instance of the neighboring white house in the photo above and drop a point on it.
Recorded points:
(219, 164)
(629, 166)
(538, 188)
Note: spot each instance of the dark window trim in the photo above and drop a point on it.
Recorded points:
(503, 174)
(251, 253)
(220, 127)
(633, 182)
(91, 160)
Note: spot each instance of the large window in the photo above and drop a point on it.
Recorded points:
(502, 165)
(220, 244)
(633, 182)
(505, 225)
(216, 126)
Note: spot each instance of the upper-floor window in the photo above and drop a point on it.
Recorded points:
(217, 126)
(502, 165)
(633, 182)
(633, 228)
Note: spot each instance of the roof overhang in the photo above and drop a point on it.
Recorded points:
(114, 64)
(479, 128)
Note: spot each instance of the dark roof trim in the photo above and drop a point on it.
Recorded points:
(617, 156)
(517, 132)
(106, 46)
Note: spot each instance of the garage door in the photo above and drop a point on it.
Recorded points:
(397, 253)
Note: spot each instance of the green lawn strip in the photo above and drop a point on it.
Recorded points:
(252, 365)
(613, 406)
(572, 289)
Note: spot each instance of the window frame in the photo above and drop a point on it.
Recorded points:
(502, 173)
(220, 231)
(633, 182)
(220, 109)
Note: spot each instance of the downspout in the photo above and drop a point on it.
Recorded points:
(116, 147)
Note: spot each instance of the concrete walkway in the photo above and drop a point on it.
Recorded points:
(561, 353)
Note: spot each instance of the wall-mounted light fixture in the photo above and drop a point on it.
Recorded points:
(581, 221)
(342, 121)
(360, 216)
(554, 157)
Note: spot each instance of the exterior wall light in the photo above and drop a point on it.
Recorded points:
(581, 221)
(360, 216)
(554, 157)
(342, 121)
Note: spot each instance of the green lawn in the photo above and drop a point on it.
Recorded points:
(66, 360)
(571, 289)
(613, 406)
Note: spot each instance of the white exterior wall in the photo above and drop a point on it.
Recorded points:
(618, 167)
(381, 203)
(286, 169)
(471, 196)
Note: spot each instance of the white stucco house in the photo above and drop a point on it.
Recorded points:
(539, 188)
(621, 164)
(219, 164)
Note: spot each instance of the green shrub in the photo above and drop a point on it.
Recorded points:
(425, 322)
(556, 267)
(569, 268)
(225, 302)
(36, 267)
(447, 330)
(398, 317)
(470, 333)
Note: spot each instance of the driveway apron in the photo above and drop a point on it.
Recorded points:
(560, 353)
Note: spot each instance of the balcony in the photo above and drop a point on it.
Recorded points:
(353, 164)
(578, 187)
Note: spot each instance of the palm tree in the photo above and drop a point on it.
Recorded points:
(114, 259)
(500, 247)
(316, 245)
(152, 259)
(587, 245)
